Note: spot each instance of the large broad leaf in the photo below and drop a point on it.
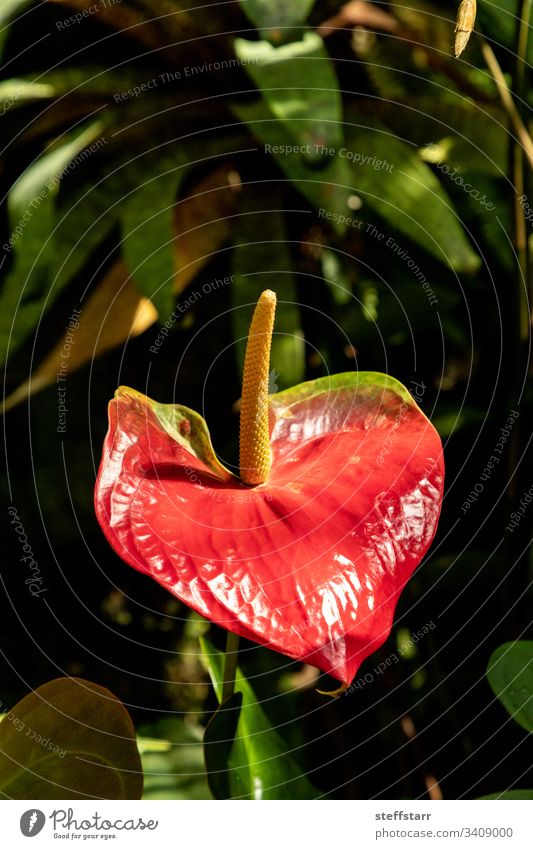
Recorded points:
(261, 260)
(310, 563)
(245, 756)
(69, 739)
(147, 235)
(116, 310)
(388, 176)
(392, 181)
(299, 86)
(60, 239)
(328, 188)
(510, 674)
(88, 215)
(275, 18)
(27, 289)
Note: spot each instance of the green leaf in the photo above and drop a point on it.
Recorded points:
(456, 133)
(393, 181)
(510, 795)
(17, 92)
(83, 221)
(89, 215)
(261, 260)
(60, 238)
(273, 17)
(510, 674)
(328, 189)
(31, 208)
(246, 757)
(69, 739)
(310, 111)
(148, 235)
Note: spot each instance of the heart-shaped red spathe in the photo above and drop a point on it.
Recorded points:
(312, 562)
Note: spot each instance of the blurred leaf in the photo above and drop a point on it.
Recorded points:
(450, 422)
(369, 300)
(116, 310)
(89, 214)
(261, 260)
(462, 134)
(113, 313)
(16, 92)
(401, 306)
(147, 235)
(273, 17)
(510, 674)
(299, 86)
(498, 20)
(482, 152)
(95, 79)
(31, 205)
(151, 745)
(327, 189)
(56, 244)
(248, 758)
(336, 277)
(389, 85)
(173, 761)
(69, 739)
(393, 182)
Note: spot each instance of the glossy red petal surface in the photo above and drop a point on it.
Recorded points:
(310, 563)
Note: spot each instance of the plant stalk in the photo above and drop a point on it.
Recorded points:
(507, 100)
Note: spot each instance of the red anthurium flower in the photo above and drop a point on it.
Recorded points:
(344, 481)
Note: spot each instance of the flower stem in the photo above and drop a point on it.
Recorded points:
(520, 175)
(255, 456)
(507, 100)
(230, 666)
